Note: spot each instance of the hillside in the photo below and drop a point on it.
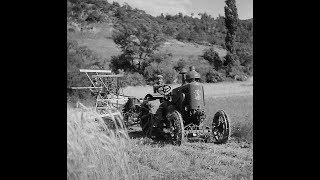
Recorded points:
(91, 23)
(100, 41)
(110, 36)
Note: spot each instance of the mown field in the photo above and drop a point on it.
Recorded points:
(132, 156)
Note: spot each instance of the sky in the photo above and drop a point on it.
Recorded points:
(186, 7)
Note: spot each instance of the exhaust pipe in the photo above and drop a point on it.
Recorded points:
(183, 73)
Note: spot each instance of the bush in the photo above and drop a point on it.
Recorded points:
(121, 62)
(80, 57)
(201, 65)
(245, 54)
(237, 73)
(132, 79)
(203, 70)
(214, 76)
(83, 96)
(169, 75)
(180, 64)
(248, 70)
(212, 56)
(231, 60)
(183, 35)
(165, 69)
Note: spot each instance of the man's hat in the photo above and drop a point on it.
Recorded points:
(160, 76)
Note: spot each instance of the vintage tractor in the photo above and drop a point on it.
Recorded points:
(181, 113)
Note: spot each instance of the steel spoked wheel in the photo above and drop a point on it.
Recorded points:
(131, 116)
(220, 127)
(177, 128)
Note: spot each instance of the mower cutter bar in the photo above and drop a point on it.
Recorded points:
(198, 131)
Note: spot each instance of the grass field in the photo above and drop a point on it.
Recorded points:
(129, 155)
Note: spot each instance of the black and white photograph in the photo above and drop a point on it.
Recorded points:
(160, 89)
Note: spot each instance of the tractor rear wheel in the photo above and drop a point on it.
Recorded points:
(177, 128)
(220, 127)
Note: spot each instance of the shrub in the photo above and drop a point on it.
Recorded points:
(203, 70)
(248, 70)
(222, 44)
(80, 57)
(169, 30)
(83, 96)
(169, 75)
(183, 35)
(245, 54)
(201, 65)
(121, 62)
(214, 76)
(181, 63)
(231, 60)
(165, 69)
(237, 73)
(132, 79)
(194, 37)
(212, 56)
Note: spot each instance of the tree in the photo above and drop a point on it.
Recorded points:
(121, 62)
(138, 36)
(231, 23)
(79, 57)
(183, 35)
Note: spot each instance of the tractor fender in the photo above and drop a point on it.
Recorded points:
(148, 97)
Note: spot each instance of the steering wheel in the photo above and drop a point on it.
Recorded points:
(164, 89)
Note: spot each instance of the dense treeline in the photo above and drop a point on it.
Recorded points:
(139, 35)
(205, 29)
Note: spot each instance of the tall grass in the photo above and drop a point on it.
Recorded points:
(95, 151)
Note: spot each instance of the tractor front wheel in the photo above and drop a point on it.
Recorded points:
(177, 128)
(220, 127)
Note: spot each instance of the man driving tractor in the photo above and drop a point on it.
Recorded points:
(159, 83)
